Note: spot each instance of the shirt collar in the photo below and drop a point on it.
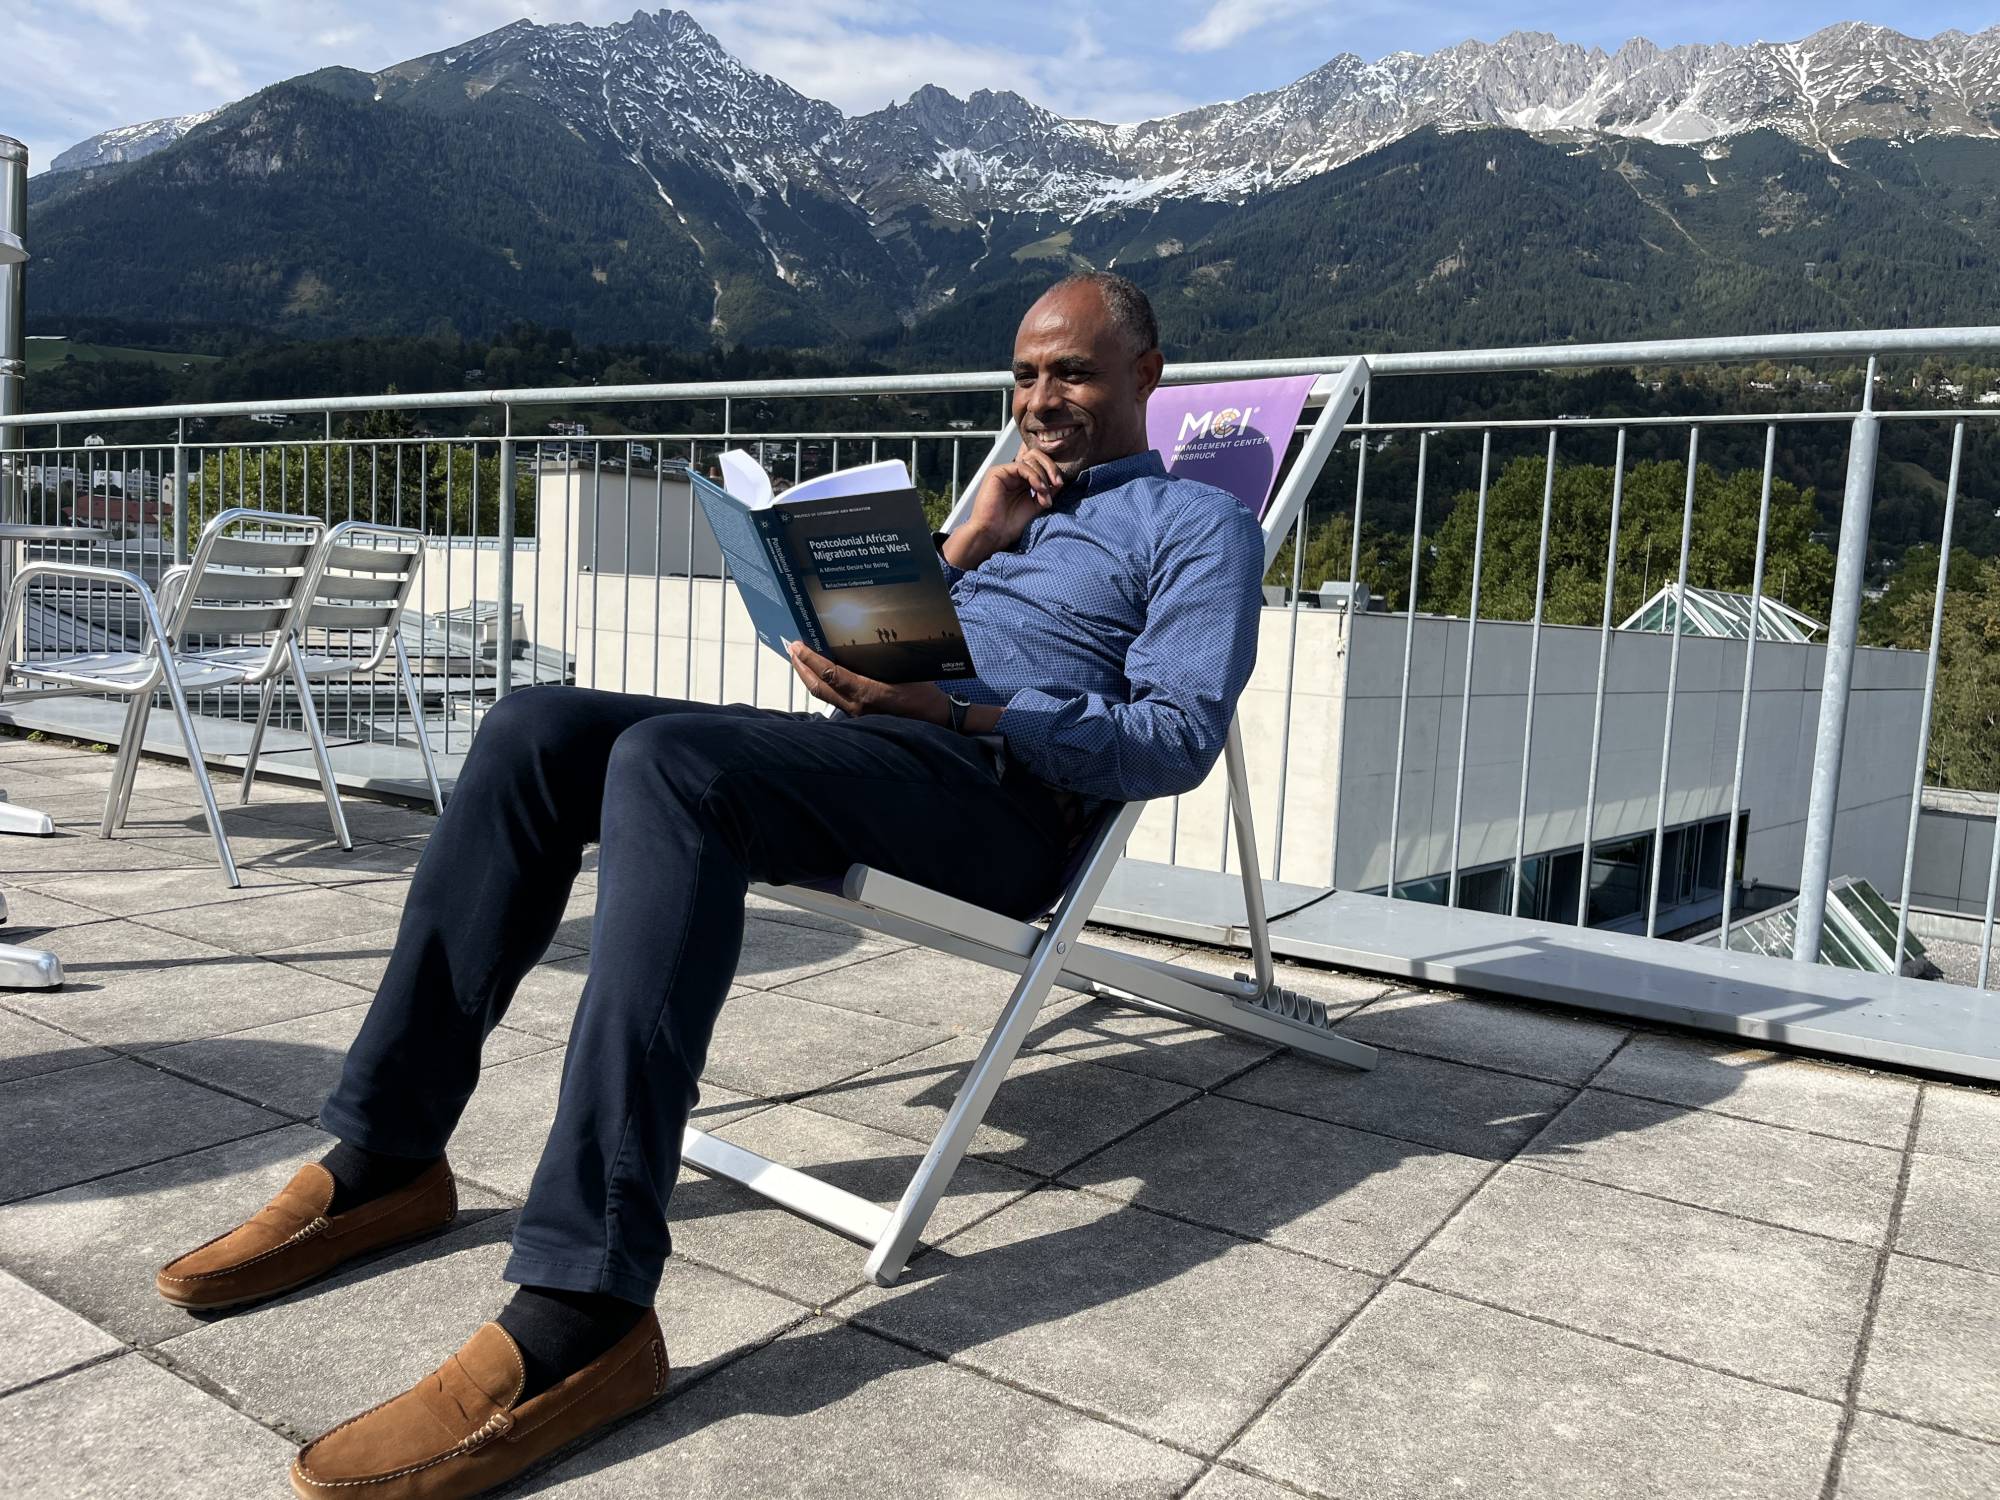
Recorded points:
(1146, 464)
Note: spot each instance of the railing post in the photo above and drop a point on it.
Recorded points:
(1843, 626)
(180, 491)
(13, 326)
(503, 660)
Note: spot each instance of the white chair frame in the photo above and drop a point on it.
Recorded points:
(1051, 956)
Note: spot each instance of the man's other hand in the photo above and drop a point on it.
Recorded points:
(1012, 495)
(857, 695)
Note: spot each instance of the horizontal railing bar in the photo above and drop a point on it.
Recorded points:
(1444, 362)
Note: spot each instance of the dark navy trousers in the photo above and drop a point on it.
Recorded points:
(689, 804)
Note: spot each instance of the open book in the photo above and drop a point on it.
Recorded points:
(844, 563)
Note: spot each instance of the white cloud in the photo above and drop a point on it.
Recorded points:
(1227, 22)
(209, 70)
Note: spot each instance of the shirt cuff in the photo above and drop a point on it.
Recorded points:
(951, 574)
(1027, 725)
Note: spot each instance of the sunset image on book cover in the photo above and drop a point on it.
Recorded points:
(844, 563)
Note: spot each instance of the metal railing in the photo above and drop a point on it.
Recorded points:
(560, 557)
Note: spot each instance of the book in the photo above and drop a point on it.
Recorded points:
(843, 562)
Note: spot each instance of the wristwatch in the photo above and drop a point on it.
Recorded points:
(959, 708)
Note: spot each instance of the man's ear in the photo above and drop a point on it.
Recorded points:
(1151, 363)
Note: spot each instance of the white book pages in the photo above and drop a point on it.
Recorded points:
(745, 478)
(866, 479)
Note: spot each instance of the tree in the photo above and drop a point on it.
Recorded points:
(1965, 721)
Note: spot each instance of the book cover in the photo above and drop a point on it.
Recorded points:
(844, 563)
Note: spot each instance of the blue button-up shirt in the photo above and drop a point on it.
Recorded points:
(1118, 631)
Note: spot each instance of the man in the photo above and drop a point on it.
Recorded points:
(1111, 612)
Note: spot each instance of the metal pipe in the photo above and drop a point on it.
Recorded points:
(1534, 668)
(1409, 643)
(1347, 631)
(1597, 700)
(1843, 627)
(13, 321)
(1471, 642)
(1445, 362)
(1749, 674)
(503, 681)
(1291, 678)
(1930, 693)
(1673, 685)
(1992, 889)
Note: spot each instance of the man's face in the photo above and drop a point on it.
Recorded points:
(1080, 388)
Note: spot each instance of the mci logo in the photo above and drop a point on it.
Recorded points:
(1230, 421)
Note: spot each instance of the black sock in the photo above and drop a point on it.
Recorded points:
(362, 1176)
(559, 1332)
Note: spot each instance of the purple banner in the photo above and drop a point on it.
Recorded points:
(1231, 435)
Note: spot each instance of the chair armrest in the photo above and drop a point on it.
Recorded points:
(81, 573)
(172, 582)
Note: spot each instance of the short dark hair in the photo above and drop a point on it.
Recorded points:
(1130, 310)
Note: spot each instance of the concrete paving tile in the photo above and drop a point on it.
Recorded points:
(165, 884)
(93, 872)
(127, 1428)
(778, 1045)
(33, 916)
(1787, 1177)
(918, 985)
(323, 862)
(96, 1246)
(1960, 1122)
(1934, 1355)
(545, 1002)
(1180, 1331)
(367, 819)
(1334, 986)
(831, 1410)
(1767, 1303)
(1951, 1211)
(41, 1337)
(727, 1226)
(500, 1136)
(777, 954)
(1427, 1395)
(1473, 1111)
(1228, 1484)
(1513, 1038)
(1769, 1086)
(1887, 1460)
(1362, 1200)
(27, 1049)
(136, 987)
(293, 1065)
(275, 920)
(310, 1362)
(61, 1128)
(1139, 1041)
(358, 959)
(1047, 1114)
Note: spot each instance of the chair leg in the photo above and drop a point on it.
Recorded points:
(270, 696)
(186, 719)
(121, 768)
(321, 759)
(961, 1122)
(131, 770)
(409, 683)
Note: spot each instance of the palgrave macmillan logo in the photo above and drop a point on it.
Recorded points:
(1230, 421)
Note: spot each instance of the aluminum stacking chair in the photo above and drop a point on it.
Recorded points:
(1051, 955)
(348, 625)
(218, 621)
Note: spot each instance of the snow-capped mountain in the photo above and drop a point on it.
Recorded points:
(128, 142)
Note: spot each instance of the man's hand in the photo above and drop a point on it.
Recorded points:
(1012, 495)
(858, 695)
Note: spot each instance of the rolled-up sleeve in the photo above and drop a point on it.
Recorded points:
(1186, 668)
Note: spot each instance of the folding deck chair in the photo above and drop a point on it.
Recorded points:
(1046, 957)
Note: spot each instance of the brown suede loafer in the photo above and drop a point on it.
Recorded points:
(291, 1240)
(459, 1431)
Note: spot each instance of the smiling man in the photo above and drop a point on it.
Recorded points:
(1111, 611)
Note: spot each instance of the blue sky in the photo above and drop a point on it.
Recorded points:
(80, 66)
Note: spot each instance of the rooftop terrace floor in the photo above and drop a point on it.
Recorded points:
(1531, 1254)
